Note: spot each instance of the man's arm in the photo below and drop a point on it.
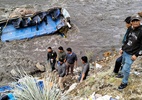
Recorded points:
(64, 55)
(125, 39)
(140, 50)
(66, 58)
(139, 53)
(121, 52)
(83, 75)
(75, 63)
(55, 55)
(47, 56)
(84, 71)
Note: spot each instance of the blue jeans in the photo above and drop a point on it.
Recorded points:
(80, 76)
(127, 62)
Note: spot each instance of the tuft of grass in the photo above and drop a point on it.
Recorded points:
(29, 90)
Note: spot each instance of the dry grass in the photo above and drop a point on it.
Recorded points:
(89, 55)
(29, 90)
(27, 87)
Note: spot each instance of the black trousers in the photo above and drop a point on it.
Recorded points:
(118, 64)
(52, 64)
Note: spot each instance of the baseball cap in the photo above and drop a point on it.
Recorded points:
(135, 17)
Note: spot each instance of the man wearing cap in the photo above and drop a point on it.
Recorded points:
(132, 48)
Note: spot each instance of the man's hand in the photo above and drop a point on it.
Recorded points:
(134, 58)
(75, 64)
(120, 52)
(81, 80)
(83, 75)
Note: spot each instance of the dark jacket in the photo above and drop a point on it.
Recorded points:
(133, 43)
(51, 55)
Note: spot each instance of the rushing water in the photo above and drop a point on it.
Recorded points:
(98, 26)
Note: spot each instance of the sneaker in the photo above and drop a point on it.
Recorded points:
(119, 76)
(122, 86)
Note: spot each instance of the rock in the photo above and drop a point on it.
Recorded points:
(92, 66)
(78, 69)
(73, 86)
(106, 97)
(107, 54)
(98, 95)
(93, 88)
(136, 73)
(81, 99)
(92, 97)
(40, 67)
(98, 66)
(14, 73)
(117, 97)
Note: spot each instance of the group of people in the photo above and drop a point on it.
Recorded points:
(131, 49)
(66, 63)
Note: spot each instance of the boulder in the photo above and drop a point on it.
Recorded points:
(40, 67)
(73, 86)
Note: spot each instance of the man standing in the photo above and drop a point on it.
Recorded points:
(85, 68)
(61, 53)
(51, 58)
(71, 60)
(118, 63)
(62, 72)
(132, 48)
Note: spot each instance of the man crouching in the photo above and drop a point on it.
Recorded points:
(62, 72)
(85, 69)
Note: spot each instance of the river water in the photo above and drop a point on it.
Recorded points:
(98, 26)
